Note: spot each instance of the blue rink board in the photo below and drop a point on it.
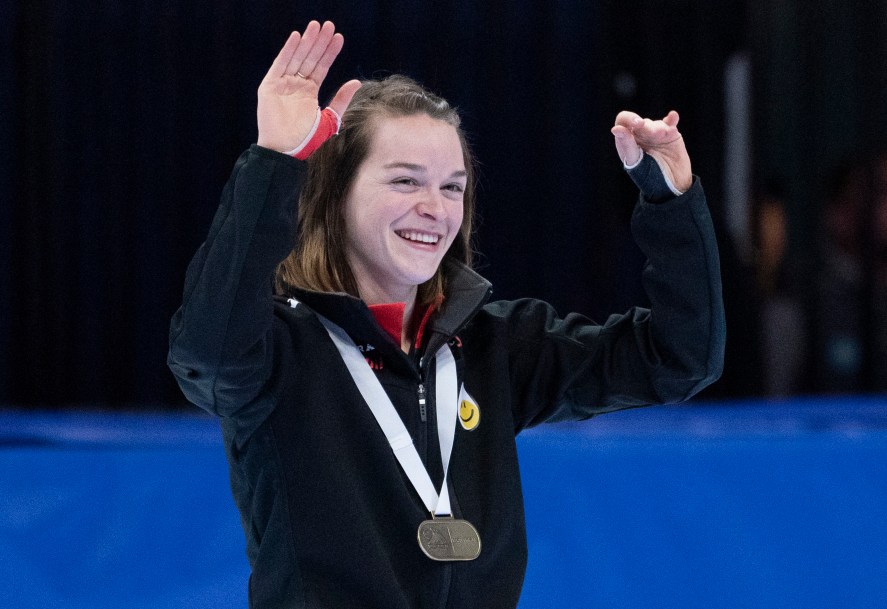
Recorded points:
(728, 505)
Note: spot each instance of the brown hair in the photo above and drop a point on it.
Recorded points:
(318, 261)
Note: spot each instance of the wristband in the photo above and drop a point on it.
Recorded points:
(326, 125)
(651, 180)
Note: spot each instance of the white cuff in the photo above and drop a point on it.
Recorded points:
(308, 137)
(670, 185)
(665, 177)
(636, 163)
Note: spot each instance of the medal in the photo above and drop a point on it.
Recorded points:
(449, 538)
(443, 538)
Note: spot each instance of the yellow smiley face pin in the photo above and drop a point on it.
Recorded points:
(469, 413)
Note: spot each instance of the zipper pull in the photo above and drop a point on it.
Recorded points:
(423, 412)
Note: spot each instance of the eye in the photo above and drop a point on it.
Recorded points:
(455, 187)
(405, 182)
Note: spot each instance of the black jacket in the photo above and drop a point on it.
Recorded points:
(330, 518)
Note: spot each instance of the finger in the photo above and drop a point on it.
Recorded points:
(671, 119)
(640, 128)
(278, 66)
(627, 119)
(309, 37)
(317, 51)
(654, 133)
(620, 131)
(327, 59)
(626, 146)
(343, 96)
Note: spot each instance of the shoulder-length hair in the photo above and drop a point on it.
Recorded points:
(318, 260)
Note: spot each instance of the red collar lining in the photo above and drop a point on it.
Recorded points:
(389, 316)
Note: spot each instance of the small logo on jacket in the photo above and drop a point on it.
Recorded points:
(469, 412)
(372, 356)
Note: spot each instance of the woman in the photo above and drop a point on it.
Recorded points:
(369, 403)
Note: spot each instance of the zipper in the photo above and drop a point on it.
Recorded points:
(423, 409)
(423, 401)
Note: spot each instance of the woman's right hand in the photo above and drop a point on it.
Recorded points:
(288, 106)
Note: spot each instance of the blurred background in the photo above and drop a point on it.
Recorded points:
(122, 120)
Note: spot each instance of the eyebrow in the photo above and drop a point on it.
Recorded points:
(461, 173)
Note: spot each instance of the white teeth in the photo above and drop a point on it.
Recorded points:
(420, 237)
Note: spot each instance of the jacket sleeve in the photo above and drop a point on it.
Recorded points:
(573, 368)
(221, 351)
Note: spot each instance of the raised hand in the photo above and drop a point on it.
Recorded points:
(287, 105)
(658, 138)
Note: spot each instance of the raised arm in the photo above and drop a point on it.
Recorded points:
(574, 368)
(221, 339)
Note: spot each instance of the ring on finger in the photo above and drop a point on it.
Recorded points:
(300, 75)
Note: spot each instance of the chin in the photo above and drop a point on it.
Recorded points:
(417, 272)
(420, 280)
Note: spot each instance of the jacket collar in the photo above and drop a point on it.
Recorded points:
(466, 293)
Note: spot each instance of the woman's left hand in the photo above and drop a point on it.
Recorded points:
(658, 138)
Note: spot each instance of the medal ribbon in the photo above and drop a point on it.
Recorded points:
(395, 431)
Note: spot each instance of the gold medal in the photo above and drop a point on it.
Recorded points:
(447, 538)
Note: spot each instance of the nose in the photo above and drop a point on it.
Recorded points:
(432, 205)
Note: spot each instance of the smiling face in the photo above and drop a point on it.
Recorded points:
(405, 206)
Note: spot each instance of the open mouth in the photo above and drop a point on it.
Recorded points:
(418, 237)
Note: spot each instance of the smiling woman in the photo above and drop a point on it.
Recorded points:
(400, 157)
(404, 208)
(370, 401)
